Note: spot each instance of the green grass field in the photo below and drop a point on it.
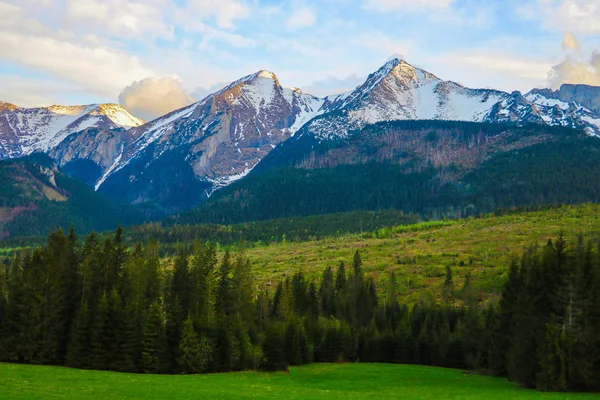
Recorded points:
(419, 254)
(317, 381)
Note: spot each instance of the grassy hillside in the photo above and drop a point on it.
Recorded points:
(419, 254)
(317, 381)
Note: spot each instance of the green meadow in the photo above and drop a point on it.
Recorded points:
(418, 254)
(317, 381)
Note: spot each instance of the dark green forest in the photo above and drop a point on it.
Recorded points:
(173, 236)
(104, 305)
(545, 173)
(22, 191)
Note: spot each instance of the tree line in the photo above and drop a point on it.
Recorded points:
(103, 305)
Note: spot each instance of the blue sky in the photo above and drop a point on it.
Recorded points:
(168, 53)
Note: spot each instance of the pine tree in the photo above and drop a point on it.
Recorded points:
(78, 354)
(151, 346)
(313, 300)
(112, 330)
(292, 343)
(130, 340)
(173, 333)
(242, 288)
(448, 289)
(357, 268)
(274, 347)
(327, 293)
(180, 283)
(98, 340)
(553, 364)
(224, 293)
(340, 278)
(196, 352)
(500, 325)
(202, 283)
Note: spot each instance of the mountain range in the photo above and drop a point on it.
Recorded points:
(179, 160)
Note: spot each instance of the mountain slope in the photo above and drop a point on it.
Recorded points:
(180, 159)
(400, 91)
(186, 155)
(177, 161)
(433, 168)
(27, 130)
(36, 196)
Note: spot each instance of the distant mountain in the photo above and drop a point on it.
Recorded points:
(179, 160)
(575, 105)
(27, 130)
(399, 91)
(586, 95)
(35, 196)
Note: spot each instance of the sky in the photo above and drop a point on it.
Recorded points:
(153, 56)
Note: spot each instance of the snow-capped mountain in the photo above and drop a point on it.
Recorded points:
(572, 105)
(400, 91)
(585, 95)
(27, 130)
(217, 140)
(180, 159)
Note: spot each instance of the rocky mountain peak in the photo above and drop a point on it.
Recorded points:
(7, 106)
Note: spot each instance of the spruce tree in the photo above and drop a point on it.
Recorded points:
(224, 297)
(99, 358)
(448, 289)
(151, 345)
(130, 341)
(190, 359)
(78, 354)
(327, 293)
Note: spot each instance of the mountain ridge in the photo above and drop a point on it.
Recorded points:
(24, 131)
(180, 159)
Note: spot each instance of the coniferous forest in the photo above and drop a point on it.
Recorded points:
(103, 305)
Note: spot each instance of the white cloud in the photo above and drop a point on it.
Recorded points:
(500, 70)
(103, 70)
(409, 6)
(99, 68)
(576, 67)
(153, 97)
(301, 17)
(570, 42)
(210, 34)
(573, 71)
(577, 16)
(121, 17)
(225, 11)
(505, 65)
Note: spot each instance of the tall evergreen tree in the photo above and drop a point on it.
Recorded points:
(151, 343)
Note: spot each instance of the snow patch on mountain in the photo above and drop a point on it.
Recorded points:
(27, 130)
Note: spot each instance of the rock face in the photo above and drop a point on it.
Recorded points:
(87, 154)
(27, 130)
(211, 143)
(586, 95)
